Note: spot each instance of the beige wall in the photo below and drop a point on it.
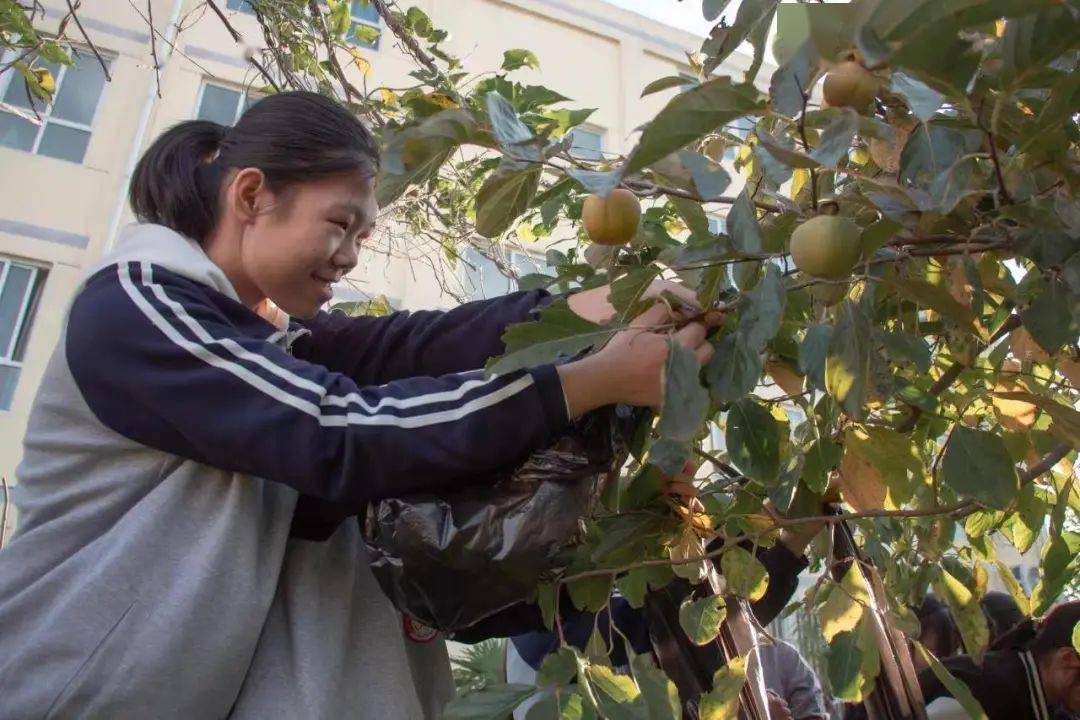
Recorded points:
(60, 214)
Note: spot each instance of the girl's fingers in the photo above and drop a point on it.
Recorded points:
(656, 315)
(705, 352)
(692, 335)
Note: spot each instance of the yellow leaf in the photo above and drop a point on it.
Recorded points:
(722, 702)
(1024, 347)
(1013, 414)
(46, 81)
(525, 232)
(360, 61)
(845, 605)
(861, 484)
(442, 100)
(689, 552)
(388, 96)
(967, 612)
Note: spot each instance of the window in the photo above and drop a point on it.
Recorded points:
(717, 225)
(20, 291)
(223, 105)
(242, 5)
(365, 29)
(482, 278)
(740, 128)
(66, 122)
(587, 144)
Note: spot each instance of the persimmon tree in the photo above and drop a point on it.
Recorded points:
(899, 276)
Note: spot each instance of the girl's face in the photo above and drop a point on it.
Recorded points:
(304, 239)
(1061, 678)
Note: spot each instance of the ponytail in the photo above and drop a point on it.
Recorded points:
(291, 137)
(171, 185)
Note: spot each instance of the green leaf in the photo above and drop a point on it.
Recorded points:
(792, 79)
(907, 346)
(932, 149)
(937, 56)
(743, 225)
(558, 333)
(660, 694)
(598, 182)
(546, 597)
(615, 694)
(1058, 565)
(847, 364)
(966, 611)
(710, 178)
(977, 464)
(503, 197)
(1032, 42)
(753, 441)
(760, 317)
(1012, 585)
(723, 40)
(700, 619)
(844, 666)
(734, 369)
(518, 58)
(626, 292)
(511, 133)
(812, 353)
(1048, 318)
(693, 215)
(956, 688)
(836, 139)
(1076, 637)
(557, 669)
(923, 100)
(783, 151)
(666, 83)
(416, 19)
(870, 667)
(845, 604)
(590, 593)
(821, 458)
(690, 116)
(634, 584)
(925, 294)
(722, 702)
(745, 575)
(495, 702)
(686, 402)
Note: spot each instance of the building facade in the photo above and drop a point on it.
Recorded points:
(64, 180)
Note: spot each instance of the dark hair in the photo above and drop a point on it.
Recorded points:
(937, 628)
(1002, 613)
(291, 137)
(1044, 636)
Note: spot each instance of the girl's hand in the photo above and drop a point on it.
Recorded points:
(594, 305)
(630, 368)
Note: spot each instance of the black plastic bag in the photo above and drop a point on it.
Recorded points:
(453, 559)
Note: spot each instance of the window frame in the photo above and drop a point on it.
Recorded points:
(241, 106)
(357, 20)
(46, 111)
(594, 130)
(27, 311)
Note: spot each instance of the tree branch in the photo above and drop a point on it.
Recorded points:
(153, 45)
(1046, 462)
(651, 189)
(78, 23)
(238, 38)
(339, 73)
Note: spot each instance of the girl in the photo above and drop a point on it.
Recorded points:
(189, 465)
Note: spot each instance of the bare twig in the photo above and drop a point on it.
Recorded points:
(953, 372)
(237, 37)
(153, 45)
(3, 513)
(1046, 462)
(806, 143)
(647, 188)
(339, 73)
(405, 37)
(104, 65)
(1005, 196)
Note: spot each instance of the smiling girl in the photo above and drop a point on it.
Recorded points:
(187, 546)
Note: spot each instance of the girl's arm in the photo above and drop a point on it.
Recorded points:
(161, 363)
(430, 342)
(407, 344)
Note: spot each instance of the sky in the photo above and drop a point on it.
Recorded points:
(683, 14)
